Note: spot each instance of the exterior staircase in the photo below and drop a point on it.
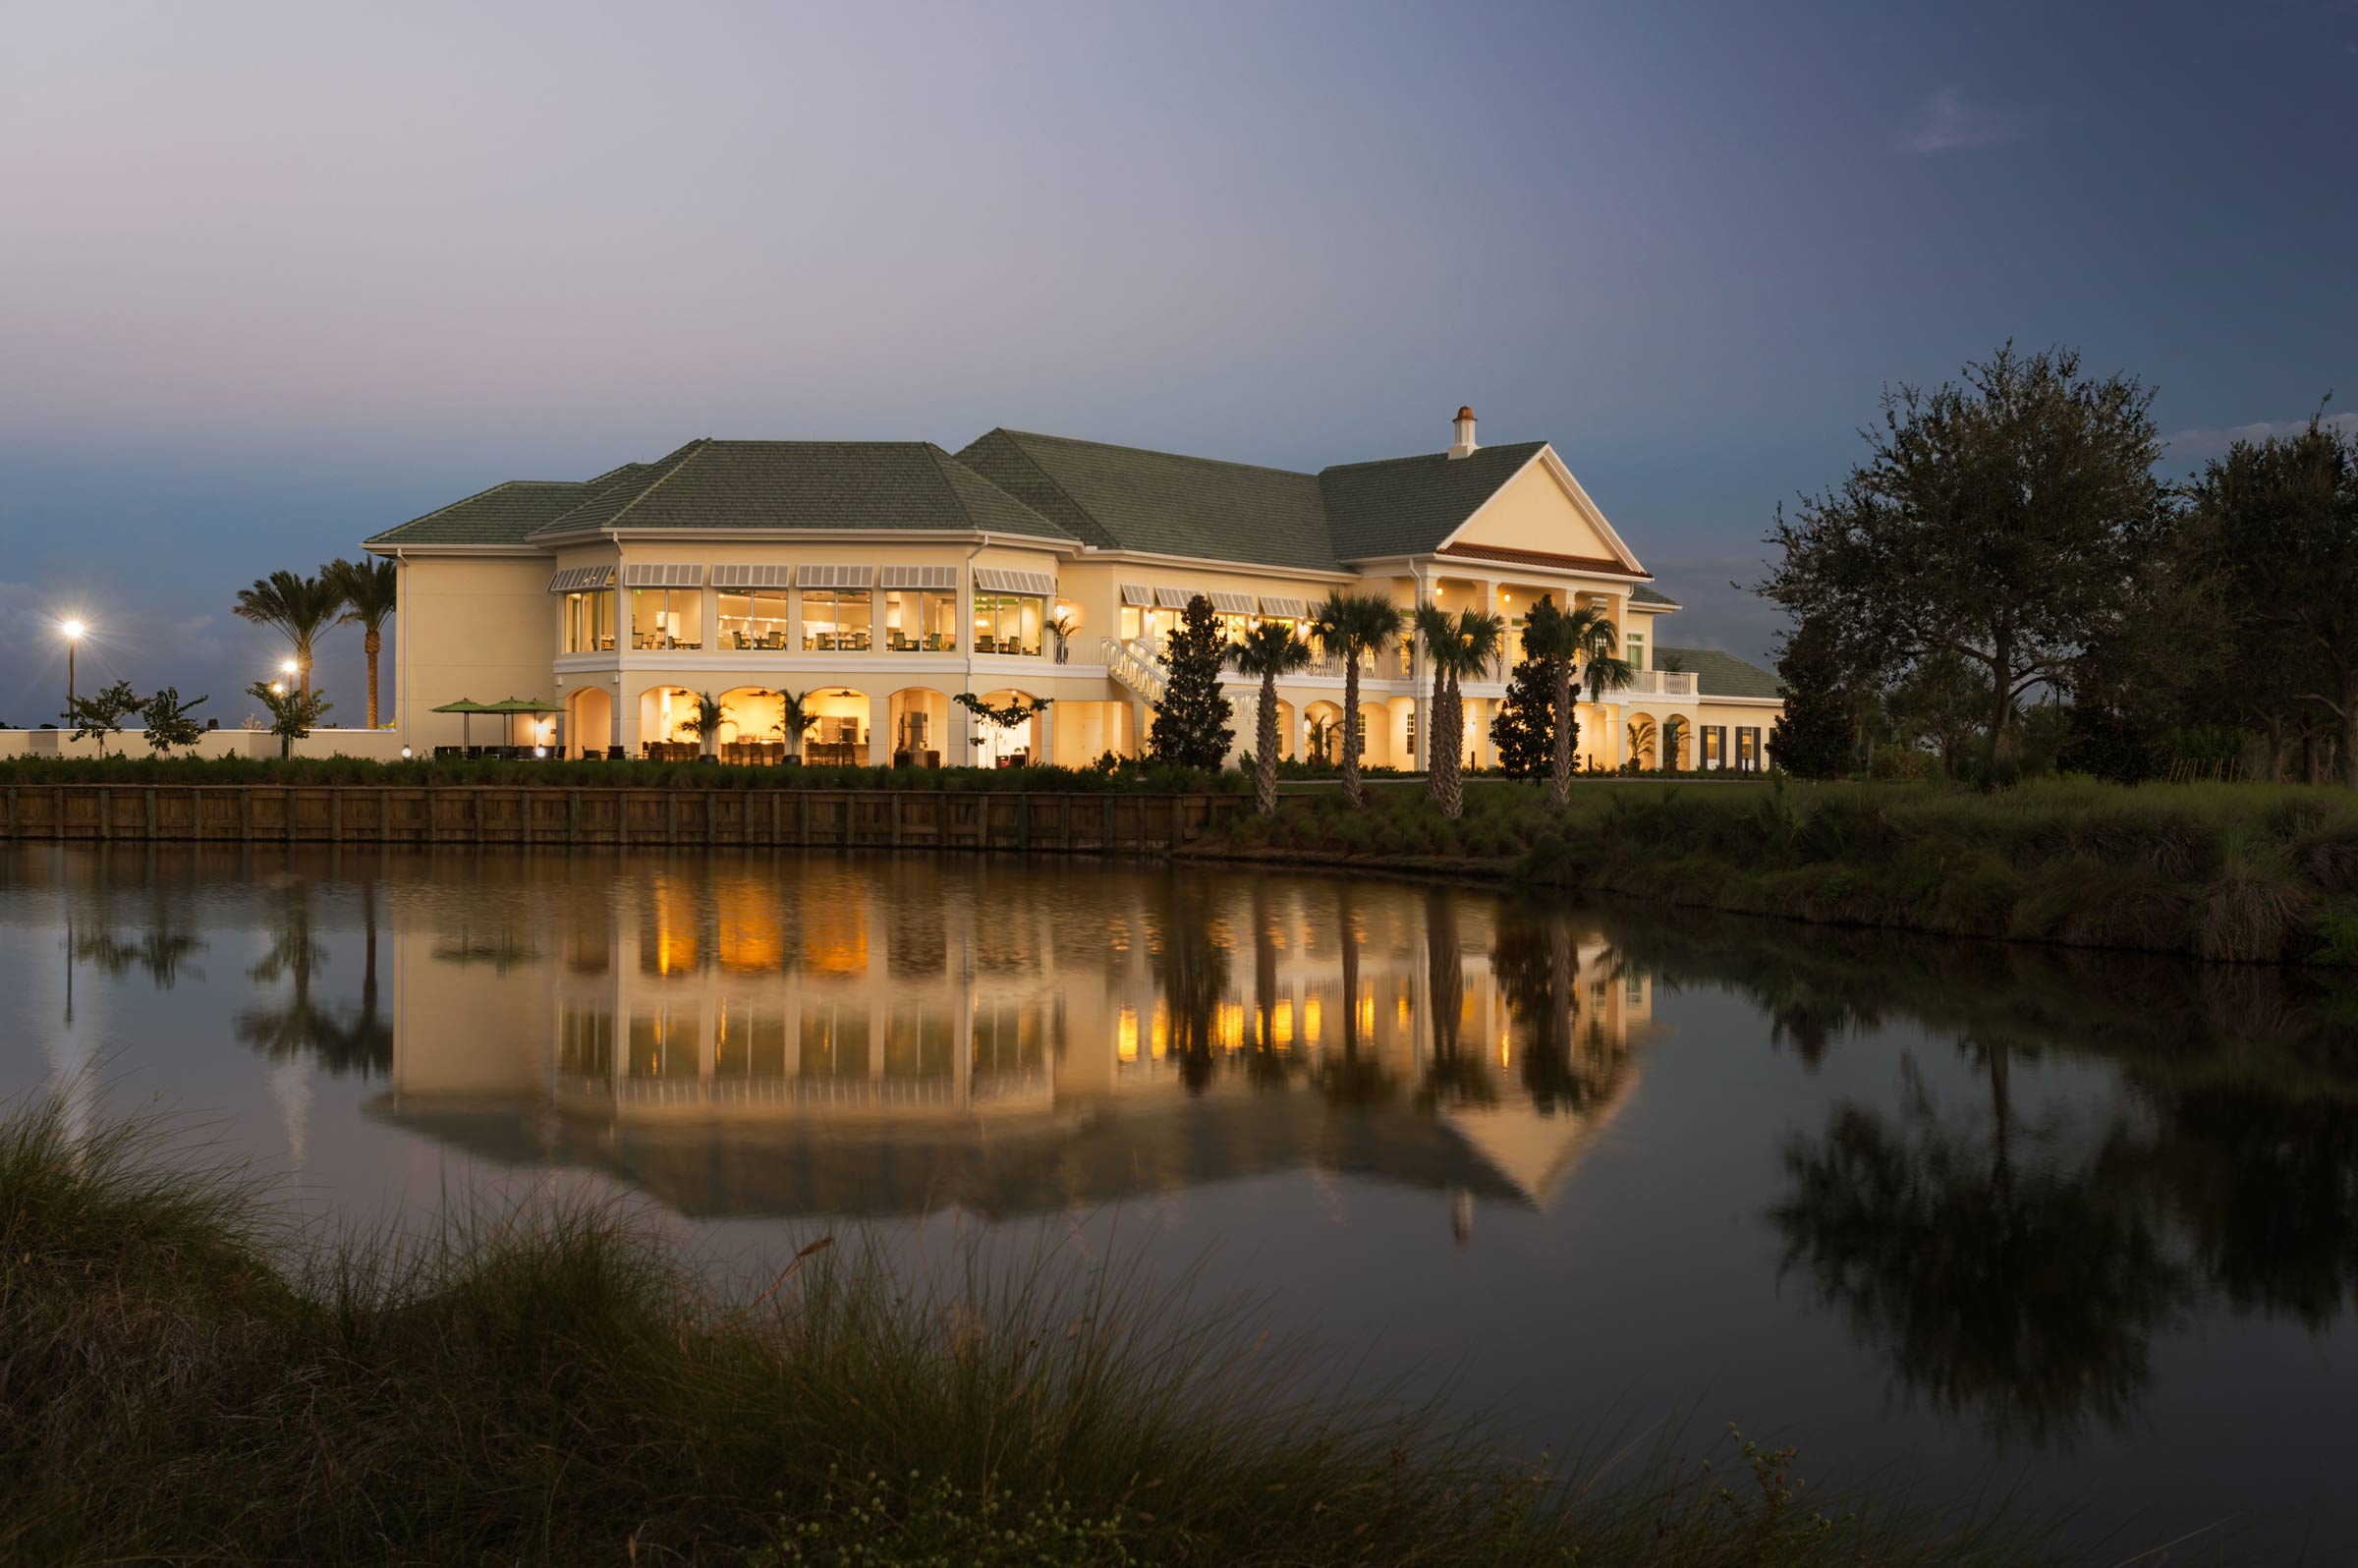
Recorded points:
(1136, 665)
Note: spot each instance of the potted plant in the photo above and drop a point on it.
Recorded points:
(705, 725)
(794, 719)
(1062, 629)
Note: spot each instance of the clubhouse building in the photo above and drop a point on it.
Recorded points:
(885, 578)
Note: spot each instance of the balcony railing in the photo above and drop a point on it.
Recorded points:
(1660, 683)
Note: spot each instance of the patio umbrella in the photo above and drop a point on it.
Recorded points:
(513, 706)
(466, 710)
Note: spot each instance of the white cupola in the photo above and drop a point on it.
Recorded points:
(1463, 446)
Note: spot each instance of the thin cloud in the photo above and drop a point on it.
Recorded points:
(2199, 444)
(1949, 122)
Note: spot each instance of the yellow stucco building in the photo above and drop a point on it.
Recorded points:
(887, 577)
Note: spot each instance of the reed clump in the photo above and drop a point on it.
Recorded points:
(2228, 871)
(190, 1377)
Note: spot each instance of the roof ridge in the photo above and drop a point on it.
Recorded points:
(950, 487)
(686, 455)
(488, 489)
(1047, 478)
(1153, 451)
(1424, 457)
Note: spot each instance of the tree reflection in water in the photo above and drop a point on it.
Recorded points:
(296, 1026)
(2020, 1273)
(1355, 1075)
(1453, 1072)
(1191, 967)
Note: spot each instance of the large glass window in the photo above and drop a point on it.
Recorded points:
(1233, 626)
(921, 620)
(1008, 623)
(753, 619)
(837, 619)
(1134, 623)
(1633, 648)
(589, 622)
(667, 618)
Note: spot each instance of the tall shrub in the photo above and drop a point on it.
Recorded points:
(1191, 727)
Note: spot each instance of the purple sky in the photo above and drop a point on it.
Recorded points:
(274, 277)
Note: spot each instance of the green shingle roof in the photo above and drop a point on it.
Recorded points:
(1718, 674)
(1641, 594)
(1407, 506)
(808, 484)
(1129, 498)
(505, 514)
(1010, 482)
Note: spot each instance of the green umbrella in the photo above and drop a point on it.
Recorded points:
(465, 708)
(519, 704)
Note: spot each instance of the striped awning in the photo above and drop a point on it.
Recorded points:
(752, 576)
(656, 574)
(992, 579)
(918, 577)
(1171, 598)
(835, 577)
(1284, 609)
(1232, 603)
(581, 579)
(1137, 593)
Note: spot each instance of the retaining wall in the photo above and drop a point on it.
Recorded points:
(360, 813)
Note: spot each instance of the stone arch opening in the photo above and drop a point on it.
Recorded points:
(919, 721)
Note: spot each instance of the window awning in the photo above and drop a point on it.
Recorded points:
(835, 577)
(1232, 603)
(752, 576)
(918, 577)
(992, 579)
(581, 579)
(1137, 593)
(654, 574)
(1171, 598)
(1284, 609)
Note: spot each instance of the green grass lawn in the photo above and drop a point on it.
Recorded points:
(2232, 871)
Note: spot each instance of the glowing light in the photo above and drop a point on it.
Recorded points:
(405, 754)
(278, 688)
(1160, 1040)
(73, 629)
(1125, 1038)
(1285, 1024)
(289, 667)
(1311, 1019)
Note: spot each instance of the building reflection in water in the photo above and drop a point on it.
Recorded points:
(874, 1037)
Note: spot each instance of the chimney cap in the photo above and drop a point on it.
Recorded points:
(1465, 412)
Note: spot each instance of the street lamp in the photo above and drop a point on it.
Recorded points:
(73, 631)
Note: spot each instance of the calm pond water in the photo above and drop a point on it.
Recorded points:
(2083, 1225)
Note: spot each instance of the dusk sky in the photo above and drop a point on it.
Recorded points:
(275, 277)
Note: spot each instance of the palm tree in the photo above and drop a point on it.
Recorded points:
(369, 589)
(795, 718)
(1269, 651)
(1353, 626)
(1471, 647)
(300, 607)
(1436, 629)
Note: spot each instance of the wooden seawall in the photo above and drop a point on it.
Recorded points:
(635, 819)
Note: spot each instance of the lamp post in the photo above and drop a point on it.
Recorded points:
(73, 631)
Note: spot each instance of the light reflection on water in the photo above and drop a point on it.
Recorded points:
(2088, 1222)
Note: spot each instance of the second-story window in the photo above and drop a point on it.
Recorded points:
(1009, 623)
(755, 619)
(1633, 648)
(920, 620)
(667, 618)
(837, 619)
(589, 622)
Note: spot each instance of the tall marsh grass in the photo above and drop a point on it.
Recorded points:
(2228, 871)
(187, 1376)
